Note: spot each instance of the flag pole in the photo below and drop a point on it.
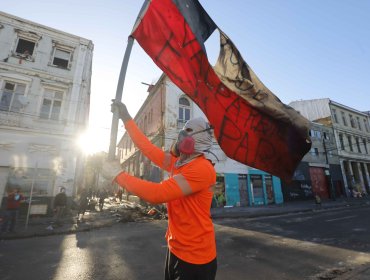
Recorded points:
(121, 82)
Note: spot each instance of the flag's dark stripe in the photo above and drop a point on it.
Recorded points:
(197, 18)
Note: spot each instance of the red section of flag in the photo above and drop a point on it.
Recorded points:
(244, 133)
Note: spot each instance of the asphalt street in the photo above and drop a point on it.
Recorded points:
(309, 245)
(315, 245)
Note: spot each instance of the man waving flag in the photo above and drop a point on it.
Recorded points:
(251, 124)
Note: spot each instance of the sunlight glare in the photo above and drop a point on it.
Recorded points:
(92, 142)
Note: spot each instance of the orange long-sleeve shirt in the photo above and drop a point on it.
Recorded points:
(190, 234)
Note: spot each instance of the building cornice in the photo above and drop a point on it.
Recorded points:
(11, 20)
(12, 69)
(331, 102)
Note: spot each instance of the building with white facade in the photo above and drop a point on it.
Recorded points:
(44, 104)
(161, 116)
(352, 135)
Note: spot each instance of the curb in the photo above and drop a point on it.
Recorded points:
(236, 215)
(70, 230)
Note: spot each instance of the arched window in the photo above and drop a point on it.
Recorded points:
(184, 109)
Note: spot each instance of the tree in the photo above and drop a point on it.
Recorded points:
(94, 164)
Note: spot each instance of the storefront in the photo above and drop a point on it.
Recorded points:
(37, 183)
(311, 179)
(255, 188)
(264, 188)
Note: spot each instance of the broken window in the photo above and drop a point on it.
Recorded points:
(61, 58)
(11, 96)
(25, 47)
(51, 104)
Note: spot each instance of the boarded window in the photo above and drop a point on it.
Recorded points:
(257, 186)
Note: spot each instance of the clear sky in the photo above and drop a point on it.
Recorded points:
(299, 49)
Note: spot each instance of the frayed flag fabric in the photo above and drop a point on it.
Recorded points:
(251, 124)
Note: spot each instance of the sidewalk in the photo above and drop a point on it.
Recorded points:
(286, 208)
(44, 226)
(112, 213)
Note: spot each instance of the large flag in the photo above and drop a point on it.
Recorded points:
(251, 124)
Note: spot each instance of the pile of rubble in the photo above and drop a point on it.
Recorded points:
(127, 211)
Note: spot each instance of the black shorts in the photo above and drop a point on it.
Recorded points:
(176, 269)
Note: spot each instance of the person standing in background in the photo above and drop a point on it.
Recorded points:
(13, 203)
(82, 204)
(60, 203)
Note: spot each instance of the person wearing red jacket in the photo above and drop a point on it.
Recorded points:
(13, 203)
(187, 192)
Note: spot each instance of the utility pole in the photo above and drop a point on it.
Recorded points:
(327, 171)
(31, 194)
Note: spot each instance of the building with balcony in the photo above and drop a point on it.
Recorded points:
(162, 115)
(44, 104)
(352, 136)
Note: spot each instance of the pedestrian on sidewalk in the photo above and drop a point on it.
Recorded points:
(103, 194)
(60, 203)
(13, 203)
(83, 203)
(119, 194)
(317, 200)
(190, 235)
(221, 200)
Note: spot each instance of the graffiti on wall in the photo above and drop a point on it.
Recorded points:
(298, 190)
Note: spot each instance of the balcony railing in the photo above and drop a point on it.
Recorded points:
(10, 119)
